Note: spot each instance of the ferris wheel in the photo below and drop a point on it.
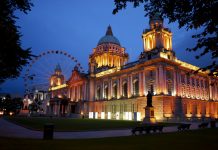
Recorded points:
(41, 68)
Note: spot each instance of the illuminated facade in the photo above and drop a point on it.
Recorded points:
(115, 89)
(108, 53)
(57, 78)
(59, 103)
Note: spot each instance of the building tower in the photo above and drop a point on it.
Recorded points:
(57, 78)
(157, 39)
(108, 53)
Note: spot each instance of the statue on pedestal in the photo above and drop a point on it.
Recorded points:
(149, 99)
(149, 110)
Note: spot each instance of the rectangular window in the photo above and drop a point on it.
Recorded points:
(183, 78)
(188, 79)
(193, 82)
(197, 82)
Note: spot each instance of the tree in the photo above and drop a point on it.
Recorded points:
(12, 56)
(7, 104)
(191, 14)
(35, 106)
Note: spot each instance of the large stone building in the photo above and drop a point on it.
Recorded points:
(115, 89)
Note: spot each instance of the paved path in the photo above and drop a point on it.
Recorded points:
(8, 129)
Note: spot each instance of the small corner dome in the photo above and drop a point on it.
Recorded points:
(109, 38)
(58, 68)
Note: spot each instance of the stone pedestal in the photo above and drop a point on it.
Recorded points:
(24, 112)
(149, 116)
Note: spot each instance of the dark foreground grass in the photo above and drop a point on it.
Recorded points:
(67, 124)
(206, 139)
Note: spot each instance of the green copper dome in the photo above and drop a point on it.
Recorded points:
(109, 38)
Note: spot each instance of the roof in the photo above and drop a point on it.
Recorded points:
(109, 37)
(58, 67)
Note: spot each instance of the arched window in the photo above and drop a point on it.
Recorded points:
(183, 78)
(169, 74)
(183, 91)
(106, 91)
(115, 90)
(98, 93)
(136, 87)
(81, 92)
(151, 88)
(197, 82)
(125, 89)
(151, 73)
(75, 90)
(169, 87)
(188, 79)
(58, 81)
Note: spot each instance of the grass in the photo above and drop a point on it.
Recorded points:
(188, 140)
(66, 124)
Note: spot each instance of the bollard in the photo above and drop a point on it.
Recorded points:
(48, 131)
(213, 124)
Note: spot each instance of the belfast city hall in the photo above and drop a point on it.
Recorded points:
(115, 88)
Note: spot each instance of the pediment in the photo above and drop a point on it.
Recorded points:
(75, 77)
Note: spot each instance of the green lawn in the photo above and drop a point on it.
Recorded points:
(206, 139)
(67, 124)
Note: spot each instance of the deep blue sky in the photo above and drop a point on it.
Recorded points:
(76, 26)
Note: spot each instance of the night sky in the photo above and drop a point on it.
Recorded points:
(76, 26)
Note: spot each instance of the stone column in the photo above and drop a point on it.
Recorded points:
(178, 83)
(213, 91)
(161, 79)
(111, 89)
(78, 93)
(96, 87)
(78, 90)
(121, 87)
(102, 87)
(84, 91)
(199, 88)
(175, 83)
(216, 91)
(186, 93)
(141, 89)
(210, 89)
(68, 92)
(164, 81)
(143, 83)
(196, 89)
(130, 85)
(87, 91)
(73, 92)
(118, 88)
(91, 89)
(170, 43)
(157, 81)
(144, 43)
(140, 84)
